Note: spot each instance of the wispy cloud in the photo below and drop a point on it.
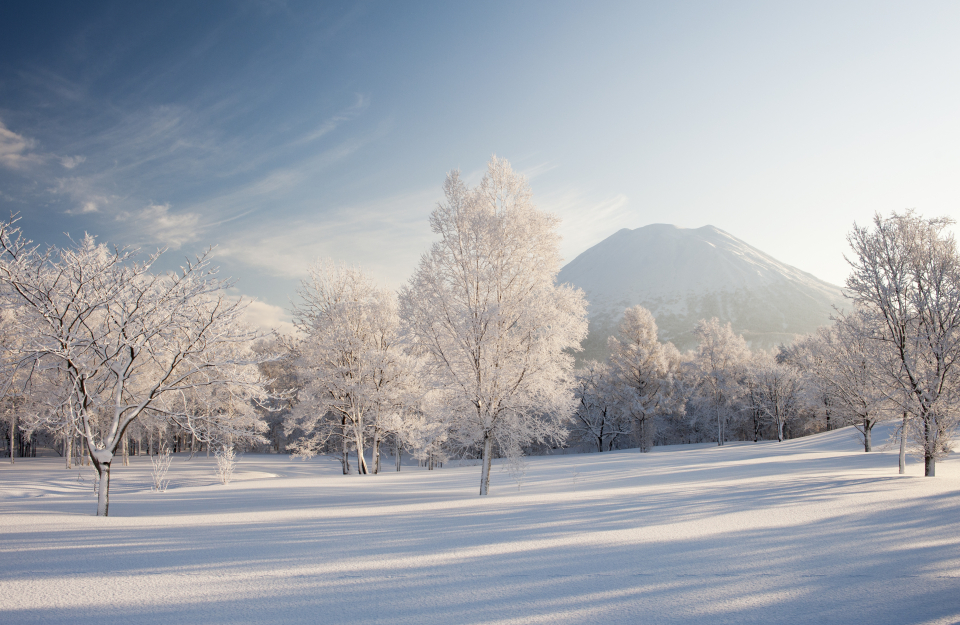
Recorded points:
(291, 187)
(160, 225)
(69, 162)
(587, 220)
(268, 317)
(386, 237)
(15, 149)
(84, 194)
(331, 124)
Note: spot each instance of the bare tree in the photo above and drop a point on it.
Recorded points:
(124, 338)
(906, 273)
(597, 418)
(485, 309)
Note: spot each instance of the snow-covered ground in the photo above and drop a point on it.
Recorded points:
(809, 530)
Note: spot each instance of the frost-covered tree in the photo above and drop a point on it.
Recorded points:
(14, 378)
(125, 339)
(597, 418)
(355, 370)
(775, 390)
(720, 365)
(284, 385)
(840, 362)
(485, 309)
(906, 273)
(805, 354)
(644, 372)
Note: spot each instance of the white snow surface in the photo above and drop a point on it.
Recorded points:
(811, 530)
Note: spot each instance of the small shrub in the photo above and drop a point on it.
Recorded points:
(161, 464)
(226, 462)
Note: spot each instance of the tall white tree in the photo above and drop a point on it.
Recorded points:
(356, 369)
(906, 272)
(125, 339)
(720, 363)
(485, 309)
(644, 370)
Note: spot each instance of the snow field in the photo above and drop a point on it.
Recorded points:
(809, 530)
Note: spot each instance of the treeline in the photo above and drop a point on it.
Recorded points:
(472, 358)
(647, 393)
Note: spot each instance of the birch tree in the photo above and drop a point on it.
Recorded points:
(356, 367)
(124, 338)
(644, 370)
(906, 272)
(484, 308)
(720, 362)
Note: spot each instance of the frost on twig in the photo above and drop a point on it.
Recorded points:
(161, 464)
(226, 462)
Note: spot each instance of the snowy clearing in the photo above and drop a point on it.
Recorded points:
(809, 530)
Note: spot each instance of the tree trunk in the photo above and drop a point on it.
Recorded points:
(642, 426)
(929, 463)
(126, 451)
(13, 437)
(779, 430)
(103, 499)
(719, 428)
(487, 462)
(345, 451)
(867, 435)
(68, 449)
(903, 445)
(399, 450)
(376, 452)
(362, 468)
(150, 442)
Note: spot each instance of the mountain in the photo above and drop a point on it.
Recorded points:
(683, 275)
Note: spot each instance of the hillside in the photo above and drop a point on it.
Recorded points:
(684, 274)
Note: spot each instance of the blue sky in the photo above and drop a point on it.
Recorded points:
(285, 131)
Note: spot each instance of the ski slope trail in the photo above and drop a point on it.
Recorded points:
(811, 530)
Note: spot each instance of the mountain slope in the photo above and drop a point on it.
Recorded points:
(683, 275)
